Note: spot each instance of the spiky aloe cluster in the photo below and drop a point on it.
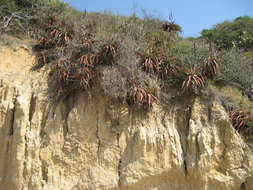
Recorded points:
(155, 61)
(193, 80)
(141, 95)
(73, 55)
(211, 67)
(67, 50)
(241, 120)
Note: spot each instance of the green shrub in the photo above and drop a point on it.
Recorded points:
(236, 34)
(28, 17)
(191, 52)
(236, 68)
(133, 28)
(159, 39)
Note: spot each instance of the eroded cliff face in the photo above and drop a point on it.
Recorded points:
(86, 142)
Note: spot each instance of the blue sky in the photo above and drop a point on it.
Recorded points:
(191, 15)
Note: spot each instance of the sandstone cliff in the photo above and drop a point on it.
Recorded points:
(86, 142)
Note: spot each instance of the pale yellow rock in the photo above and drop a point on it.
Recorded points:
(87, 142)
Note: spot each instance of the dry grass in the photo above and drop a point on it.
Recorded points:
(232, 97)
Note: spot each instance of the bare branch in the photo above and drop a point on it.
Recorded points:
(7, 17)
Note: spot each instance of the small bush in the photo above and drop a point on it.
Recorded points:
(29, 17)
(113, 83)
(235, 34)
(133, 28)
(171, 27)
(159, 39)
(191, 52)
(236, 68)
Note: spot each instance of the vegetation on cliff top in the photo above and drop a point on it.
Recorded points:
(135, 60)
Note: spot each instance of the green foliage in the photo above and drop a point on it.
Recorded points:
(191, 52)
(28, 17)
(161, 39)
(11, 4)
(228, 34)
(208, 35)
(236, 68)
(16, 5)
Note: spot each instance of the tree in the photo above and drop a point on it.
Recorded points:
(27, 16)
(226, 35)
